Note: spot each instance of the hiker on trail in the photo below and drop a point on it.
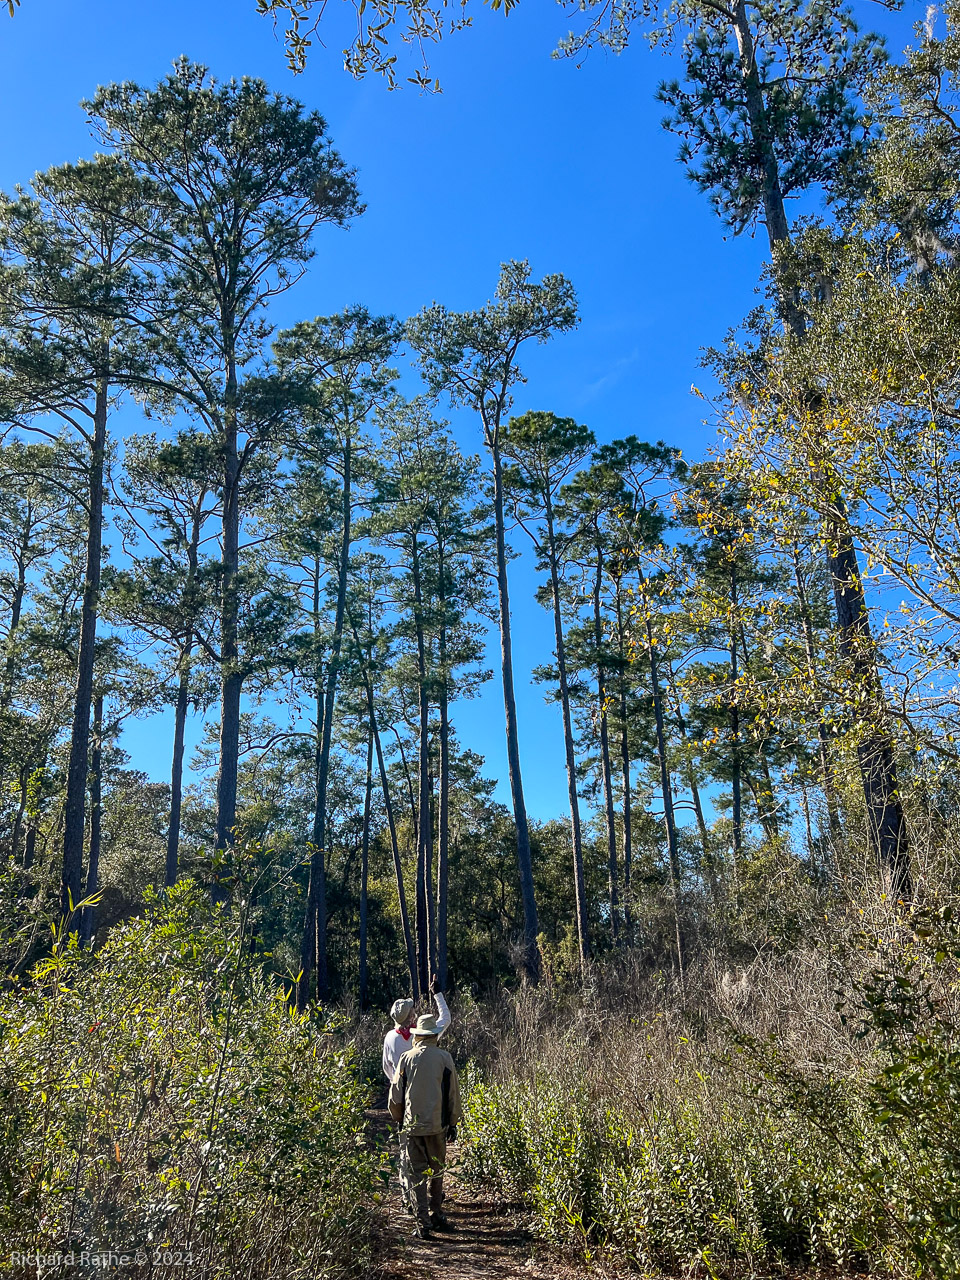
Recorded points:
(425, 1101)
(397, 1041)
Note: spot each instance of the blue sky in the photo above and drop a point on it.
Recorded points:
(521, 156)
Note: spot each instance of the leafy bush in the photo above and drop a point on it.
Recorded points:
(696, 1180)
(160, 1097)
(756, 1153)
(903, 1151)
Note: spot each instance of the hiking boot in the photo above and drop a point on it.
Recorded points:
(439, 1223)
(422, 1232)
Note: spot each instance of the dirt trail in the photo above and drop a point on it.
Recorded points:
(486, 1241)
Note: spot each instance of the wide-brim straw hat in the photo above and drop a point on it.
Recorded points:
(401, 1010)
(426, 1025)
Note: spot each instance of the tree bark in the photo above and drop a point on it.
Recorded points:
(16, 609)
(425, 940)
(827, 777)
(886, 823)
(579, 881)
(88, 915)
(531, 928)
(606, 769)
(443, 811)
(736, 760)
(625, 777)
(391, 820)
(666, 788)
(691, 772)
(365, 869)
(180, 717)
(171, 869)
(313, 945)
(75, 803)
(231, 680)
(395, 850)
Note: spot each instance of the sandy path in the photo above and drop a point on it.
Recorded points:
(486, 1241)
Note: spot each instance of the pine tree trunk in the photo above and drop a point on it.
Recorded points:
(827, 777)
(391, 821)
(606, 768)
(16, 609)
(443, 810)
(691, 772)
(180, 717)
(6, 693)
(365, 870)
(231, 681)
(666, 788)
(736, 755)
(411, 798)
(313, 945)
(531, 928)
(176, 776)
(579, 881)
(886, 824)
(75, 803)
(88, 915)
(425, 944)
(625, 773)
(408, 943)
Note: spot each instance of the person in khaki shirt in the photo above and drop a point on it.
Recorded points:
(425, 1101)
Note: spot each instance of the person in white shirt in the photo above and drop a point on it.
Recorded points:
(395, 1044)
(398, 1040)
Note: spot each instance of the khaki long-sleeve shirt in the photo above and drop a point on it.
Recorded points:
(425, 1094)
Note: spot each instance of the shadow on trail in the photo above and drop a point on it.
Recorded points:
(486, 1240)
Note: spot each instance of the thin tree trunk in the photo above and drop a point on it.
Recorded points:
(75, 804)
(180, 716)
(579, 881)
(88, 915)
(666, 788)
(691, 772)
(625, 775)
(231, 679)
(736, 760)
(365, 869)
(176, 775)
(531, 928)
(395, 850)
(885, 819)
(21, 810)
(391, 821)
(827, 777)
(443, 808)
(603, 728)
(16, 609)
(443, 818)
(411, 798)
(6, 692)
(425, 942)
(313, 946)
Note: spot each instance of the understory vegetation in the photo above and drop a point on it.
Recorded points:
(799, 1114)
(160, 1099)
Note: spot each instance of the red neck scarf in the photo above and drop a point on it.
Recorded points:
(404, 1031)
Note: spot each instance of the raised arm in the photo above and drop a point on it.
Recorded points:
(443, 1013)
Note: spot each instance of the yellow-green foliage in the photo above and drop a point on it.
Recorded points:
(160, 1097)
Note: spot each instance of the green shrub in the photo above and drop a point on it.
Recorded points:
(694, 1180)
(160, 1097)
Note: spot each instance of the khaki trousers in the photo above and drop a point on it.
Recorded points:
(426, 1158)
